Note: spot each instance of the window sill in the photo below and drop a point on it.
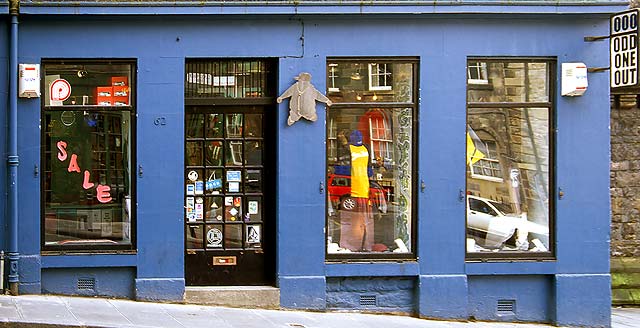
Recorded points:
(486, 177)
(90, 260)
(373, 268)
(511, 267)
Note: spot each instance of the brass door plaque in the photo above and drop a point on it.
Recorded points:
(224, 260)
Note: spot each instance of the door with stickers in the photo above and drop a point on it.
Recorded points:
(228, 203)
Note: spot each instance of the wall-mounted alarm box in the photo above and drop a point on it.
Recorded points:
(574, 79)
(29, 80)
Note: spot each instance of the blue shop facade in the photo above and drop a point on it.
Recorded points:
(394, 157)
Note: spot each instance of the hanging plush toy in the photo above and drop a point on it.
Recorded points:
(303, 99)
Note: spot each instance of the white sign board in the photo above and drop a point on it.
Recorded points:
(624, 49)
(60, 90)
(574, 79)
(29, 83)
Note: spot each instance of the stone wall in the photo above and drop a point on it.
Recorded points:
(625, 199)
(382, 295)
(625, 176)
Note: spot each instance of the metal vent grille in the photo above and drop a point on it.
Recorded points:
(506, 306)
(228, 78)
(86, 284)
(368, 300)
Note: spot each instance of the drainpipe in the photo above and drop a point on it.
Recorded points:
(12, 156)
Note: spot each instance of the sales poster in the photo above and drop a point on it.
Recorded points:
(190, 209)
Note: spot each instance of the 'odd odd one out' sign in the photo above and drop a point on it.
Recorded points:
(624, 49)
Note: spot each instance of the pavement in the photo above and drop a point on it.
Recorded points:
(63, 311)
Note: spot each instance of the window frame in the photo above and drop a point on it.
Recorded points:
(375, 74)
(490, 158)
(481, 70)
(414, 105)
(131, 108)
(550, 105)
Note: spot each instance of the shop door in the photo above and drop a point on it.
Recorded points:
(229, 188)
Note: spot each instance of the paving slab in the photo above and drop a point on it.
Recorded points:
(8, 310)
(44, 309)
(142, 314)
(625, 317)
(196, 316)
(62, 311)
(95, 312)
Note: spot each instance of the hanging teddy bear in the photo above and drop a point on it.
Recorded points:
(303, 99)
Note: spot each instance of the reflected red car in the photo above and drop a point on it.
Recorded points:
(340, 193)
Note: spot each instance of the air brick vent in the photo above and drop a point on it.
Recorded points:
(506, 306)
(86, 284)
(368, 300)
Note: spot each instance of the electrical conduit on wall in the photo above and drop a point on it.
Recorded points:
(12, 156)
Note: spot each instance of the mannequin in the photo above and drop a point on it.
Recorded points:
(356, 224)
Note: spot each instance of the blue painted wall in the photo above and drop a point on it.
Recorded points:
(160, 46)
(104, 282)
(530, 296)
(4, 103)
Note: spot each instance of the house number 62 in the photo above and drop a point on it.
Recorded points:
(160, 120)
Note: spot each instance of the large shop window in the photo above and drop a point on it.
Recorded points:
(509, 196)
(87, 148)
(371, 130)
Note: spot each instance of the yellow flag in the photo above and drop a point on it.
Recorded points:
(473, 153)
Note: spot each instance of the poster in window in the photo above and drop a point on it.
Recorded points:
(214, 238)
(190, 209)
(234, 176)
(95, 220)
(253, 207)
(199, 210)
(106, 228)
(199, 188)
(191, 189)
(253, 233)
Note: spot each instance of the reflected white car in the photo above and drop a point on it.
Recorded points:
(491, 227)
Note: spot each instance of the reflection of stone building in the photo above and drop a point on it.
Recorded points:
(625, 199)
(515, 169)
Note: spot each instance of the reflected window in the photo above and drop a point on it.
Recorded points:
(380, 76)
(370, 81)
(509, 167)
(487, 167)
(370, 172)
(477, 73)
(87, 155)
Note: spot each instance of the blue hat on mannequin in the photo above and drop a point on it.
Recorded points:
(355, 138)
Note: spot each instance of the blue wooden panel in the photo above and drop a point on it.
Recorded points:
(105, 282)
(301, 169)
(583, 300)
(319, 7)
(4, 101)
(530, 296)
